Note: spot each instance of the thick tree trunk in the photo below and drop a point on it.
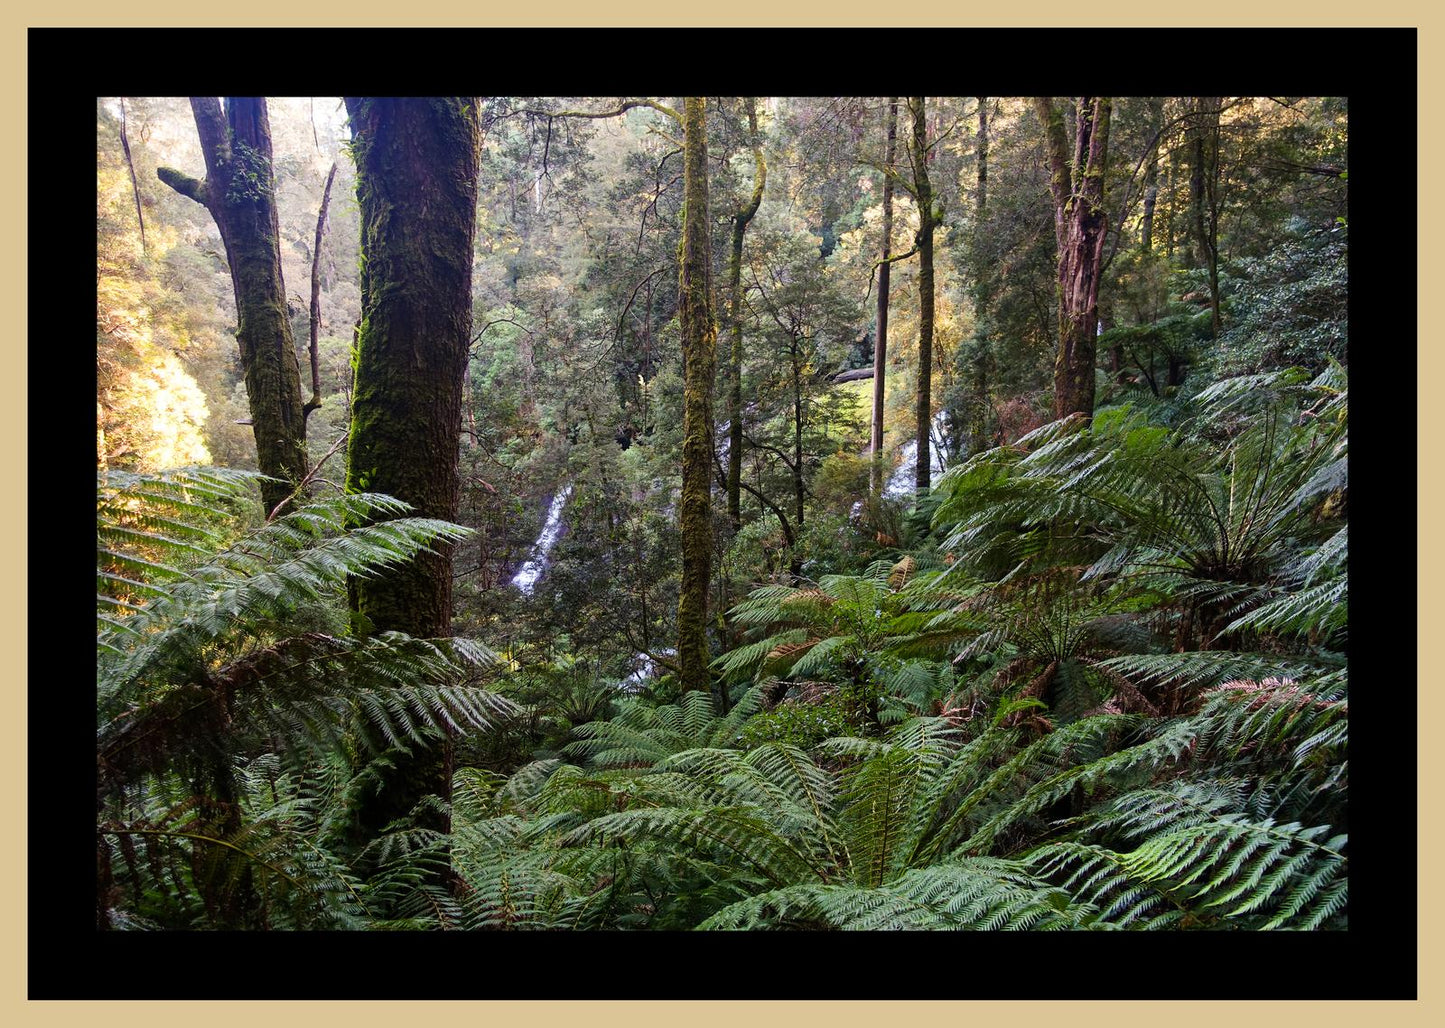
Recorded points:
(1080, 225)
(735, 291)
(923, 193)
(880, 350)
(240, 192)
(416, 184)
(699, 362)
(417, 164)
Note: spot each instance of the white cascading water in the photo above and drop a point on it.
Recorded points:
(526, 579)
(901, 482)
(645, 668)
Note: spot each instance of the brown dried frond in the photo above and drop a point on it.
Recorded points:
(812, 692)
(1040, 684)
(900, 574)
(1127, 696)
(787, 650)
(810, 596)
(1274, 690)
(1010, 672)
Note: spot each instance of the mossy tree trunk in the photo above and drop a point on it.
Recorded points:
(240, 192)
(1151, 176)
(417, 164)
(699, 362)
(927, 221)
(1204, 192)
(1080, 226)
(880, 349)
(740, 220)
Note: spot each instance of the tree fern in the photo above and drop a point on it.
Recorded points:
(1218, 866)
(207, 672)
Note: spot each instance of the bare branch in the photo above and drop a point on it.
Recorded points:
(309, 475)
(315, 400)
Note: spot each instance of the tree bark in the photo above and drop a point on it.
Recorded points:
(699, 361)
(1080, 226)
(740, 222)
(417, 163)
(880, 349)
(240, 192)
(799, 488)
(923, 194)
(315, 400)
(1151, 176)
(1204, 193)
(982, 293)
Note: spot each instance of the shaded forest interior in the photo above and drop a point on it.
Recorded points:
(728, 513)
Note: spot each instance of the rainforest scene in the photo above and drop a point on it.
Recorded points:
(713, 513)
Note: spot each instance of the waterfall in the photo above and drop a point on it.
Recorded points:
(901, 482)
(536, 566)
(644, 669)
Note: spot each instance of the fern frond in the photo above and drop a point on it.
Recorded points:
(979, 894)
(1223, 866)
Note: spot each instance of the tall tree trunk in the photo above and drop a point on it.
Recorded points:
(699, 361)
(1080, 226)
(880, 349)
(1151, 176)
(735, 290)
(982, 292)
(799, 489)
(1170, 204)
(240, 192)
(416, 184)
(1204, 193)
(923, 193)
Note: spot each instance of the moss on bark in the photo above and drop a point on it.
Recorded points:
(699, 356)
(417, 165)
(239, 191)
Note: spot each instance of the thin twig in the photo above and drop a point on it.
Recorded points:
(309, 475)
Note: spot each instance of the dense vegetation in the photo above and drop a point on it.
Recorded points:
(650, 639)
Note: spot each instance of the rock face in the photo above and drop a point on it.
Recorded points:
(853, 376)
